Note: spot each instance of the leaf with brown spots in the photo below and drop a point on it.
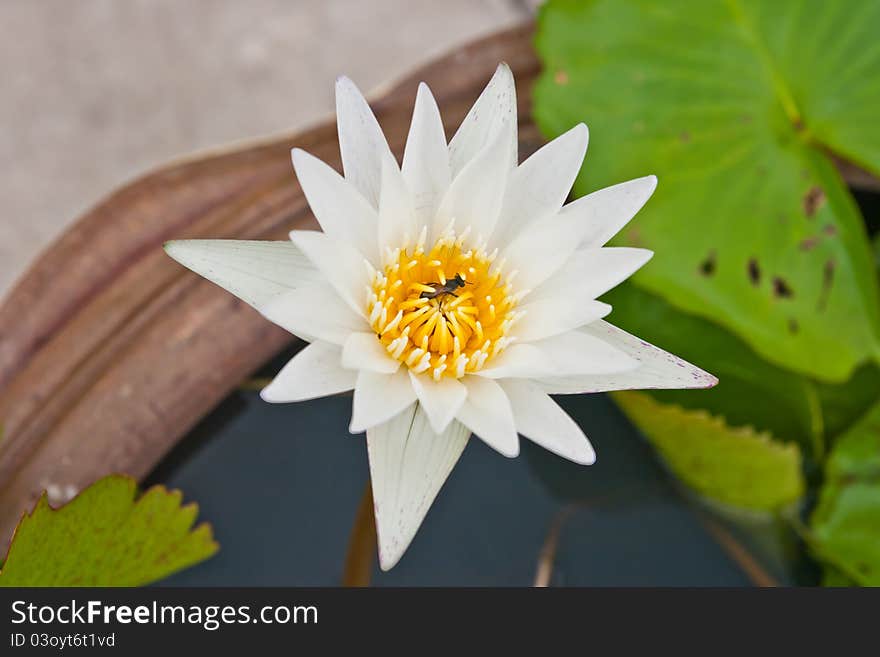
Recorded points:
(781, 289)
(754, 270)
(739, 108)
(707, 267)
(107, 536)
(813, 200)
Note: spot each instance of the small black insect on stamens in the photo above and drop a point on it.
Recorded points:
(449, 287)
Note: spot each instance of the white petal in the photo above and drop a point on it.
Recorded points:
(379, 397)
(517, 361)
(541, 420)
(539, 186)
(579, 351)
(543, 246)
(360, 140)
(341, 264)
(657, 368)
(344, 214)
(540, 250)
(440, 400)
(546, 317)
(590, 273)
(314, 312)
(604, 212)
(364, 351)
(253, 271)
(426, 158)
(475, 195)
(493, 112)
(486, 411)
(575, 352)
(397, 220)
(408, 465)
(313, 372)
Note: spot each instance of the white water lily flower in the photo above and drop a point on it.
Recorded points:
(452, 294)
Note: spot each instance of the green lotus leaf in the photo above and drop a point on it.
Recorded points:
(106, 537)
(750, 391)
(732, 465)
(737, 106)
(846, 521)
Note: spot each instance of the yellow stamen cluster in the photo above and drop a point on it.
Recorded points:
(446, 335)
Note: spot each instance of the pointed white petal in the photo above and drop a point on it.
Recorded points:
(546, 317)
(604, 212)
(486, 412)
(541, 420)
(397, 220)
(590, 273)
(253, 271)
(363, 351)
(426, 158)
(440, 400)
(379, 397)
(575, 352)
(475, 195)
(657, 368)
(360, 140)
(539, 186)
(408, 465)
(344, 214)
(314, 312)
(313, 372)
(493, 112)
(340, 264)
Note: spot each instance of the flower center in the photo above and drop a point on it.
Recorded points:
(446, 311)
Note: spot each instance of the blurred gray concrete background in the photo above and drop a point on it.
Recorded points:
(94, 92)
